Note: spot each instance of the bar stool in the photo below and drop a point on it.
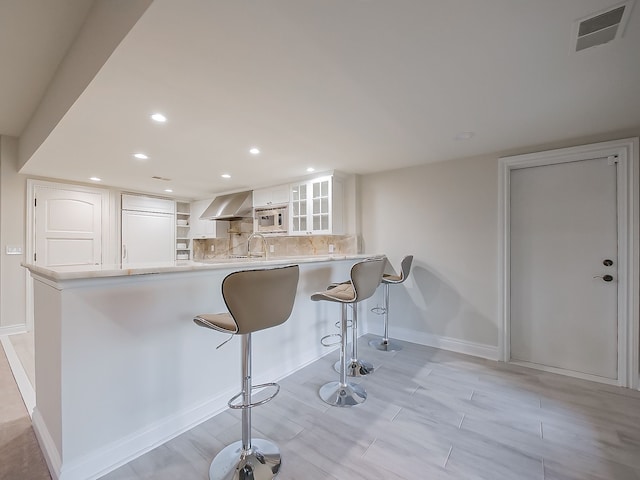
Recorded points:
(256, 300)
(365, 278)
(356, 367)
(383, 343)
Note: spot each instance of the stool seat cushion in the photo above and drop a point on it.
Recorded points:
(343, 292)
(388, 278)
(223, 322)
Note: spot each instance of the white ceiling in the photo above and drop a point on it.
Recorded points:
(354, 85)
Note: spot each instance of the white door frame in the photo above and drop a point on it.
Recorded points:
(30, 240)
(626, 151)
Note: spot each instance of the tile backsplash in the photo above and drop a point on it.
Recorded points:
(235, 243)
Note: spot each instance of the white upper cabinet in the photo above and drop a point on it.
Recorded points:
(148, 204)
(201, 228)
(265, 197)
(317, 207)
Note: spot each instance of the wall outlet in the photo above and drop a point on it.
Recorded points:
(331, 248)
(212, 248)
(272, 248)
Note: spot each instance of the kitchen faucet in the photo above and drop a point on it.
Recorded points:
(264, 246)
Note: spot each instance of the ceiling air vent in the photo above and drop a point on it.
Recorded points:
(602, 27)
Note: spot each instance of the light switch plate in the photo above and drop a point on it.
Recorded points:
(13, 250)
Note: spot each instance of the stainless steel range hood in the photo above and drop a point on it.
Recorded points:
(230, 207)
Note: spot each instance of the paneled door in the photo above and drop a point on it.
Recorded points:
(564, 263)
(68, 227)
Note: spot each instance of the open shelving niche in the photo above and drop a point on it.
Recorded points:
(183, 224)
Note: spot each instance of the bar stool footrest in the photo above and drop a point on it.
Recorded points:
(323, 340)
(254, 404)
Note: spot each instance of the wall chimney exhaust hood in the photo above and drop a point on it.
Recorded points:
(230, 207)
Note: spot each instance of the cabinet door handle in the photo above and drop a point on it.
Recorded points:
(124, 252)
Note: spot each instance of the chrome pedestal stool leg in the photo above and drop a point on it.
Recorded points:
(383, 344)
(355, 366)
(248, 459)
(341, 393)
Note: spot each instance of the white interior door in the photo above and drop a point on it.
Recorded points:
(68, 227)
(563, 233)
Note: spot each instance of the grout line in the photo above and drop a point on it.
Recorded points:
(462, 420)
(543, 472)
(367, 449)
(448, 455)
(471, 396)
(397, 413)
(541, 432)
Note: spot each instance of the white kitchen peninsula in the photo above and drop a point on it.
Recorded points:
(121, 367)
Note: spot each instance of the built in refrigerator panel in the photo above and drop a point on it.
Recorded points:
(147, 237)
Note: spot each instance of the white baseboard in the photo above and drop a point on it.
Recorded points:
(489, 352)
(110, 457)
(20, 376)
(47, 445)
(567, 373)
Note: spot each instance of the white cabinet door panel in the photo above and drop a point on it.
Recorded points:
(147, 237)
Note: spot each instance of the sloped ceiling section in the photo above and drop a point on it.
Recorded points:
(34, 37)
(104, 27)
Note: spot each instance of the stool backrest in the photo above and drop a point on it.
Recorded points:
(366, 276)
(259, 299)
(405, 267)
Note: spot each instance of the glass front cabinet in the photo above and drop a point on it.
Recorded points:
(315, 207)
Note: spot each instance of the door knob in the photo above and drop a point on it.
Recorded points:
(607, 262)
(606, 278)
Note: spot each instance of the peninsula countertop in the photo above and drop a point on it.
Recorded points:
(116, 270)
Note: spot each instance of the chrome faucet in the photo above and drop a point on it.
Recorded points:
(263, 253)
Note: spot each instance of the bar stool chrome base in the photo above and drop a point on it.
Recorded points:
(385, 345)
(356, 368)
(342, 395)
(261, 462)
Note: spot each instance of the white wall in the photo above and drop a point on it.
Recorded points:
(446, 215)
(12, 213)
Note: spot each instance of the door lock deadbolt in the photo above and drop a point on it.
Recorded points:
(606, 278)
(607, 262)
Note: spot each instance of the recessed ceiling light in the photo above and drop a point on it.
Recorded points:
(311, 169)
(460, 136)
(158, 117)
(254, 151)
(141, 156)
(168, 190)
(95, 179)
(225, 175)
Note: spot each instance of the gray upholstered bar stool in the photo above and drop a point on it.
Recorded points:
(365, 278)
(383, 343)
(256, 299)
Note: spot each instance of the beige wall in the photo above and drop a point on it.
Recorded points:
(446, 215)
(12, 232)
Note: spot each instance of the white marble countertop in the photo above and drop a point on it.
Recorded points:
(115, 270)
